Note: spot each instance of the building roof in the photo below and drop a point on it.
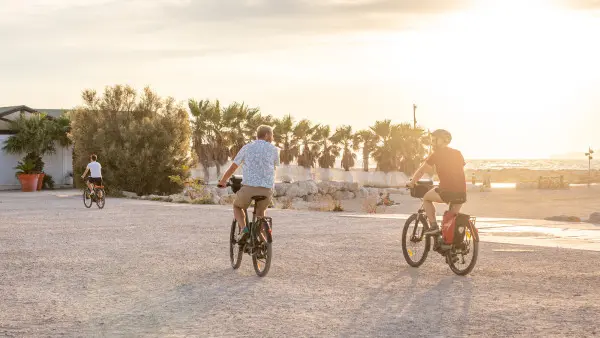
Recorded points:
(6, 111)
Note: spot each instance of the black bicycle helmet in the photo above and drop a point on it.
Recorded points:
(442, 135)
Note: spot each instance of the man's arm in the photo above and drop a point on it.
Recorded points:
(425, 167)
(237, 161)
(232, 168)
(85, 172)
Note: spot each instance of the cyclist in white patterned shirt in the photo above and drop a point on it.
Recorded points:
(258, 160)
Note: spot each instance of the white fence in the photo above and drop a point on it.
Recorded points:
(297, 173)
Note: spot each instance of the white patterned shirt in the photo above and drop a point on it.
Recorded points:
(258, 160)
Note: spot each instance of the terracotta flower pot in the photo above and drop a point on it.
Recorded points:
(29, 182)
(40, 181)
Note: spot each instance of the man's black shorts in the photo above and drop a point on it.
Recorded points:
(452, 197)
(95, 180)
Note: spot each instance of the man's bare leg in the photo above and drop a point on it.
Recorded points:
(431, 197)
(240, 217)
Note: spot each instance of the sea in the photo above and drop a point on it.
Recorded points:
(538, 164)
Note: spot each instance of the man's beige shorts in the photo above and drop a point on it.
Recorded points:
(243, 198)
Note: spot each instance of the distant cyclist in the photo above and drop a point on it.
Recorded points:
(95, 170)
(449, 164)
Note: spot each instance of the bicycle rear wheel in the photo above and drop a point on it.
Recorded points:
(87, 199)
(261, 257)
(100, 201)
(415, 245)
(235, 250)
(463, 260)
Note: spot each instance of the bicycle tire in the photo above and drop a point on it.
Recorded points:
(266, 250)
(235, 251)
(415, 218)
(475, 244)
(86, 198)
(100, 202)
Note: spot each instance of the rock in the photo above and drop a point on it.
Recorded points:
(227, 199)
(323, 187)
(286, 178)
(129, 194)
(594, 218)
(362, 193)
(281, 189)
(215, 199)
(179, 198)
(348, 195)
(353, 187)
(310, 198)
(293, 191)
(563, 218)
(302, 188)
(145, 198)
(312, 187)
(338, 195)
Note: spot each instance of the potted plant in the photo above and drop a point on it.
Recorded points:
(27, 177)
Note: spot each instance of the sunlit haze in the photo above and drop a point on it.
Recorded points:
(509, 78)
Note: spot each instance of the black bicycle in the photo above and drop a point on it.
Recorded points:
(99, 196)
(258, 243)
(461, 254)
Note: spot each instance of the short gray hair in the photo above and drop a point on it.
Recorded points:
(263, 130)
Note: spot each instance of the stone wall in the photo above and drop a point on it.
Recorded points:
(294, 173)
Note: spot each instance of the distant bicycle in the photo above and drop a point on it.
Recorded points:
(458, 244)
(258, 243)
(99, 196)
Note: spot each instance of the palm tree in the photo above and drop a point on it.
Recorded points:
(330, 149)
(285, 140)
(409, 145)
(344, 135)
(368, 140)
(210, 134)
(384, 154)
(240, 123)
(304, 133)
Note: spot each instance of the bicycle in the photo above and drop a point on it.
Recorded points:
(455, 253)
(259, 242)
(98, 191)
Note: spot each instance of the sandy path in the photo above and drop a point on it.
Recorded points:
(141, 268)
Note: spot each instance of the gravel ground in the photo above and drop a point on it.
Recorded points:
(141, 268)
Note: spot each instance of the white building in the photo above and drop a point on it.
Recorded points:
(58, 165)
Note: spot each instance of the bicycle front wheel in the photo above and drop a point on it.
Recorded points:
(261, 257)
(87, 199)
(235, 250)
(415, 245)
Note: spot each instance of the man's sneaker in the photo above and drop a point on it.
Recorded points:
(244, 237)
(433, 230)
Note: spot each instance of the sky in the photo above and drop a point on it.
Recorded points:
(508, 78)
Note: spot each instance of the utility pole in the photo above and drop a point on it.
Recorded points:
(415, 116)
(589, 156)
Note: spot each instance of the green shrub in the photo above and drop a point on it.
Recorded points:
(140, 140)
(48, 182)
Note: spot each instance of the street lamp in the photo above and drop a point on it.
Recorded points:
(589, 156)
